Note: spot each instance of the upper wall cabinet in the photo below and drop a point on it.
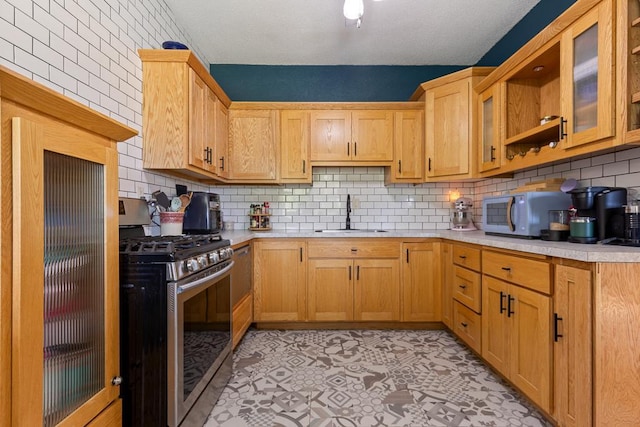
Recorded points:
(181, 115)
(295, 165)
(408, 148)
(450, 105)
(628, 69)
(558, 98)
(351, 136)
(253, 145)
(489, 131)
(586, 80)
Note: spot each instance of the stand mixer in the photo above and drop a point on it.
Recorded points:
(461, 216)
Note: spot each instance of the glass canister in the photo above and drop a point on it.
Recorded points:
(559, 220)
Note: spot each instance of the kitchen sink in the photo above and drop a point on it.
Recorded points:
(352, 230)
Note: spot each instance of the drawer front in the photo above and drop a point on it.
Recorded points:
(354, 248)
(525, 272)
(242, 318)
(467, 325)
(466, 256)
(467, 288)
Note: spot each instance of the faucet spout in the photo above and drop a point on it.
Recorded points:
(348, 224)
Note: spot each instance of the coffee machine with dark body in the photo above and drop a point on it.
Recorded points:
(606, 206)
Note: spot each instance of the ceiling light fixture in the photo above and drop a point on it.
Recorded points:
(353, 9)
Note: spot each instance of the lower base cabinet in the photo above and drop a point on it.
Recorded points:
(360, 290)
(467, 325)
(421, 283)
(516, 337)
(242, 318)
(280, 280)
(572, 331)
(447, 283)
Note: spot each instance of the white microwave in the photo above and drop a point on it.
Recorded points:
(521, 214)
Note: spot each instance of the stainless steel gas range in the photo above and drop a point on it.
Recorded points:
(175, 327)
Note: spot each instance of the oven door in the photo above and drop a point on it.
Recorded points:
(199, 336)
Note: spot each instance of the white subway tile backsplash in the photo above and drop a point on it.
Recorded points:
(90, 53)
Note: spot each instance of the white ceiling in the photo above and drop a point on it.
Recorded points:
(314, 32)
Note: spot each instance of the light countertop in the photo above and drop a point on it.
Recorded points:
(574, 251)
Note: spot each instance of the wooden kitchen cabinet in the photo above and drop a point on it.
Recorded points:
(60, 292)
(295, 146)
(465, 290)
(628, 70)
(490, 134)
(354, 279)
(408, 148)
(586, 80)
(573, 345)
(253, 149)
(450, 123)
(221, 155)
(280, 280)
(447, 283)
(421, 282)
(516, 327)
(352, 136)
(330, 289)
(180, 126)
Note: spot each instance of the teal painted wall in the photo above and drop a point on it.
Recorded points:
(341, 83)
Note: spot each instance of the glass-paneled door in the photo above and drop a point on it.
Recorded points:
(65, 279)
(587, 78)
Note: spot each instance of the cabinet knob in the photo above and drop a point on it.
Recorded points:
(116, 380)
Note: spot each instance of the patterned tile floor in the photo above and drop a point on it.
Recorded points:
(326, 378)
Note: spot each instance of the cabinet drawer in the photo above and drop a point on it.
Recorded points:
(466, 256)
(242, 318)
(354, 248)
(467, 325)
(529, 273)
(467, 288)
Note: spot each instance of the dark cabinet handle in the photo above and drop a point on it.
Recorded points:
(556, 319)
(509, 300)
(358, 272)
(399, 166)
(407, 256)
(462, 256)
(429, 164)
(502, 297)
(462, 286)
(222, 163)
(206, 155)
(563, 131)
(506, 268)
(304, 166)
(300, 254)
(349, 272)
(464, 325)
(348, 151)
(355, 148)
(493, 153)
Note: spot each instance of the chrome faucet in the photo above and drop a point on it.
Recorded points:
(348, 225)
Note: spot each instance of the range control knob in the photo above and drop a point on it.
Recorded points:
(191, 265)
(202, 261)
(214, 257)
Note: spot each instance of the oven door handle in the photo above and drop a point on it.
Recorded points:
(205, 279)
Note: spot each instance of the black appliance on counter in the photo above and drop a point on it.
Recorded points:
(605, 205)
(203, 214)
(175, 326)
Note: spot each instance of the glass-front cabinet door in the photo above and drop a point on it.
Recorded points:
(489, 124)
(65, 276)
(587, 78)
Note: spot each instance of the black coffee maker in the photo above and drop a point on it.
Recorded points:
(603, 206)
